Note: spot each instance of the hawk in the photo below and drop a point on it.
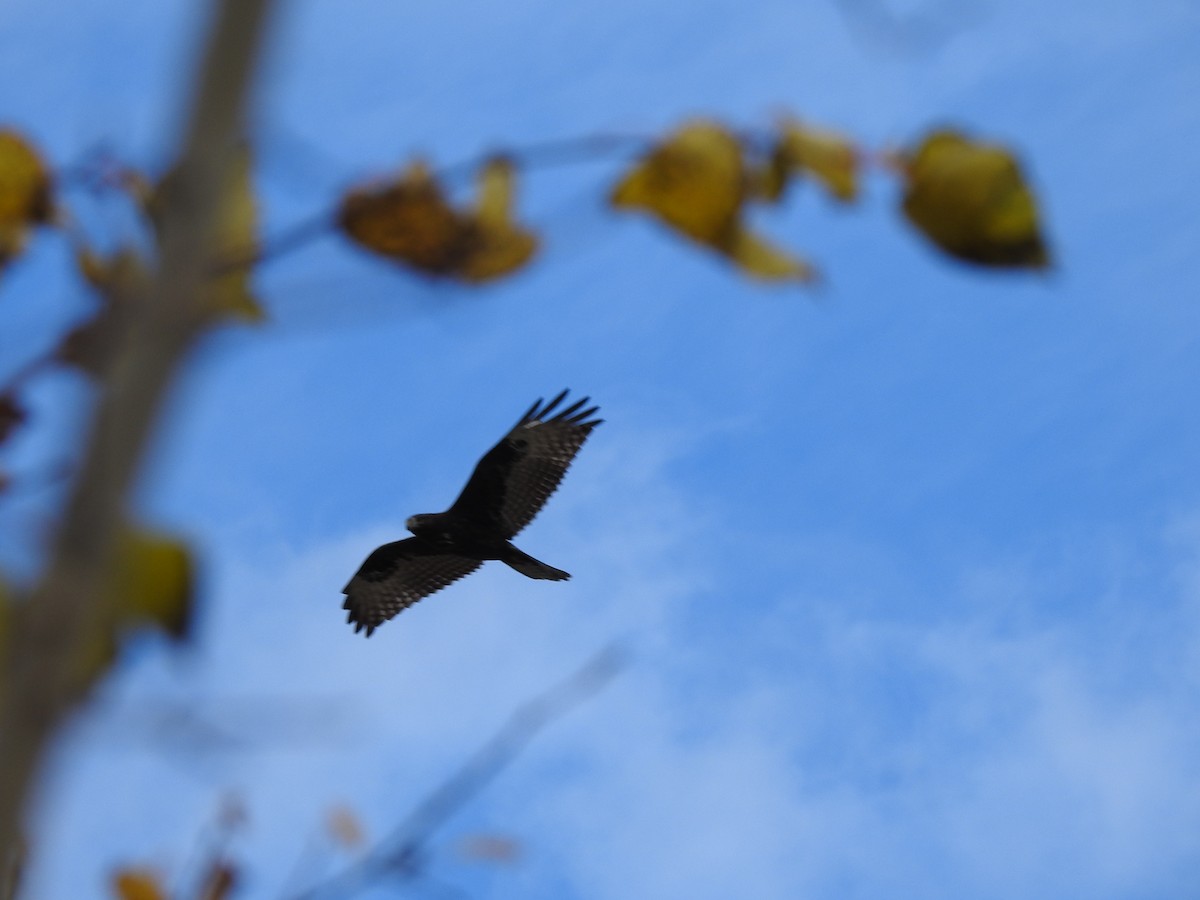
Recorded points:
(509, 486)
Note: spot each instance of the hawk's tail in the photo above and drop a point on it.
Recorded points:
(533, 568)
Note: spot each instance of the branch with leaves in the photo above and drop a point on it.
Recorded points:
(47, 639)
(106, 576)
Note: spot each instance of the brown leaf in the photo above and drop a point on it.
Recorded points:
(219, 880)
(695, 182)
(138, 884)
(972, 201)
(25, 193)
(12, 415)
(118, 279)
(345, 827)
(409, 220)
(829, 157)
(491, 848)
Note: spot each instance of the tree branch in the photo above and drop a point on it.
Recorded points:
(52, 631)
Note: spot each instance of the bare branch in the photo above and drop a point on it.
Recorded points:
(400, 853)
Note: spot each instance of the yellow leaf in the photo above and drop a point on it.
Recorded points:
(346, 829)
(500, 245)
(694, 181)
(152, 587)
(829, 157)
(409, 220)
(971, 200)
(154, 582)
(237, 244)
(117, 276)
(138, 884)
(25, 195)
(761, 259)
(496, 186)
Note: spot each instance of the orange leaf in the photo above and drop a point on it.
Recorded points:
(972, 201)
(138, 884)
(343, 824)
(694, 182)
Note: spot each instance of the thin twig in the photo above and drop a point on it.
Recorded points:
(401, 852)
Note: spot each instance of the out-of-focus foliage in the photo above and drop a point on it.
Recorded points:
(118, 279)
(237, 245)
(831, 158)
(136, 883)
(12, 414)
(25, 193)
(345, 828)
(219, 881)
(697, 183)
(237, 242)
(972, 201)
(153, 588)
(154, 584)
(409, 220)
(490, 848)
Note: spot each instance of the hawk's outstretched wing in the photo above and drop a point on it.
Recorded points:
(397, 575)
(515, 478)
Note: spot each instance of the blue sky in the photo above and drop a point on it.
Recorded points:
(909, 568)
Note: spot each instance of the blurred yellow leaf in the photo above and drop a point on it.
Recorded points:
(501, 246)
(492, 848)
(694, 181)
(829, 157)
(154, 582)
(496, 186)
(152, 587)
(116, 276)
(971, 200)
(345, 827)
(236, 244)
(761, 259)
(138, 884)
(409, 220)
(24, 193)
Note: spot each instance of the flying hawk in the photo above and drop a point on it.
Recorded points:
(508, 488)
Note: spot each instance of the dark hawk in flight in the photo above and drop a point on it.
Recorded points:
(508, 488)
